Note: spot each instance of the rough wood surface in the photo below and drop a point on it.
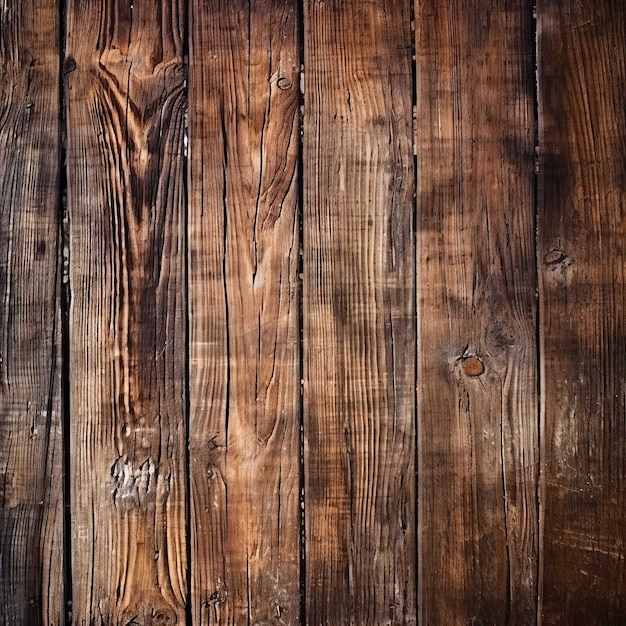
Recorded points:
(31, 492)
(438, 401)
(477, 386)
(244, 312)
(358, 313)
(126, 108)
(582, 234)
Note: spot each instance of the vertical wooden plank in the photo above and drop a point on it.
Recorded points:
(478, 446)
(31, 454)
(582, 233)
(126, 107)
(244, 312)
(358, 309)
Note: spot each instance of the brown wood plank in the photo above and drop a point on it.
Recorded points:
(582, 235)
(358, 313)
(126, 108)
(31, 452)
(477, 399)
(244, 311)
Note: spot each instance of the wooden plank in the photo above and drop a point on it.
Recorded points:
(244, 312)
(358, 313)
(582, 230)
(478, 420)
(31, 451)
(126, 108)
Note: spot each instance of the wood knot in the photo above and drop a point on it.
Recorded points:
(283, 83)
(473, 366)
(163, 617)
(556, 258)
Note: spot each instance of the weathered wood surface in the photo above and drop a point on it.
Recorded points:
(31, 452)
(244, 123)
(126, 105)
(581, 254)
(394, 309)
(477, 377)
(358, 313)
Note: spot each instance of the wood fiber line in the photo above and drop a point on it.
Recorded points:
(358, 313)
(244, 335)
(478, 420)
(582, 234)
(126, 107)
(31, 453)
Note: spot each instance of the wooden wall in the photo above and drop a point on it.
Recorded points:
(312, 312)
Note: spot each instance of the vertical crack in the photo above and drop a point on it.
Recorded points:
(505, 502)
(225, 268)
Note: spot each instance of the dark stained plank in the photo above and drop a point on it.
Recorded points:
(31, 451)
(477, 377)
(126, 109)
(243, 305)
(358, 313)
(582, 238)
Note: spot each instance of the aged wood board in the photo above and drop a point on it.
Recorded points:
(31, 420)
(582, 262)
(244, 308)
(126, 104)
(312, 312)
(477, 310)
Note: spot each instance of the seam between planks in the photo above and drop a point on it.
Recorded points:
(66, 297)
(187, 384)
(414, 251)
(538, 317)
(300, 10)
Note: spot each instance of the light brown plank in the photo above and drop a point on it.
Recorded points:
(31, 451)
(244, 336)
(358, 310)
(125, 115)
(477, 378)
(582, 234)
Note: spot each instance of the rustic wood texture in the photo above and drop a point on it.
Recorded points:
(358, 313)
(126, 106)
(244, 312)
(31, 453)
(477, 387)
(402, 401)
(582, 234)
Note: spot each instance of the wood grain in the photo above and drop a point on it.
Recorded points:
(358, 313)
(582, 233)
(31, 449)
(126, 108)
(477, 381)
(244, 312)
